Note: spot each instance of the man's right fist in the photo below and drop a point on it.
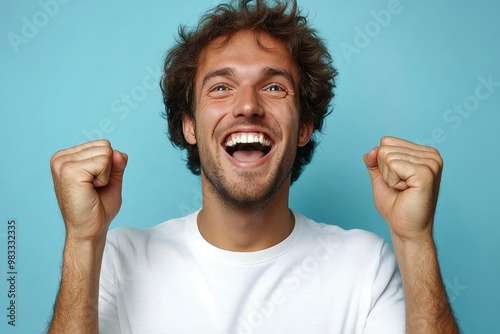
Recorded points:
(88, 184)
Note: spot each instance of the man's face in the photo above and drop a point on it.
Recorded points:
(246, 121)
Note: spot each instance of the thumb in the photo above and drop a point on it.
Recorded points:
(371, 163)
(118, 166)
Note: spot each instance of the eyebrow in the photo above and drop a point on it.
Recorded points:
(275, 72)
(266, 72)
(223, 72)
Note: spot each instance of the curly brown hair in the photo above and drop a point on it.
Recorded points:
(284, 22)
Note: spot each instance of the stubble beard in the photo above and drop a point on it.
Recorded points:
(248, 193)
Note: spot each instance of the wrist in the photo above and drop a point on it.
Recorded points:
(409, 233)
(418, 245)
(90, 234)
(84, 255)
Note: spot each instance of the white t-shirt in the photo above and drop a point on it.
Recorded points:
(321, 279)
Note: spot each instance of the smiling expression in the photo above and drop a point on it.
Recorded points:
(246, 122)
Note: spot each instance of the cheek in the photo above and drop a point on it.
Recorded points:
(208, 140)
(217, 106)
(212, 112)
(281, 108)
(286, 116)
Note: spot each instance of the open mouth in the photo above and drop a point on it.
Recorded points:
(248, 147)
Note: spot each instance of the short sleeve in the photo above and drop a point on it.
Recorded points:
(387, 313)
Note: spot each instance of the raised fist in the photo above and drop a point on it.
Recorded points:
(405, 178)
(88, 184)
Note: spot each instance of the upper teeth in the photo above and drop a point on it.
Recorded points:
(248, 138)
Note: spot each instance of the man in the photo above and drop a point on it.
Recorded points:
(244, 94)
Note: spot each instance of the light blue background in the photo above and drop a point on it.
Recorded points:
(72, 74)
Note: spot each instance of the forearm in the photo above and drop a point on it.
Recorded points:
(427, 307)
(76, 308)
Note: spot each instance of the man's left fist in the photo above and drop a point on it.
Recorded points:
(405, 179)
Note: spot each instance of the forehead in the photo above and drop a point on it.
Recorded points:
(245, 50)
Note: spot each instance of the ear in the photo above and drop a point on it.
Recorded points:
(188, 126)
(306, 129)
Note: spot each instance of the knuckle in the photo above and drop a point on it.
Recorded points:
(439, 160)
(101, 160)
(390, 158)
(103, 150)
(109, 150)
(434, 151)
(392, 163)
(103, 142)
(385, 140)
(436, 156)
(435, 166)
(382, 152)
(55, 160)
(54, 163)
(66, 171)
(66, 167)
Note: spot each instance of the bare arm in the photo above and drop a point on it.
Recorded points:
(87, 181)
(76, 307)
(405, 179)
(427, 306)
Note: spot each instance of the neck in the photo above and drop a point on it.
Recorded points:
(245, 228)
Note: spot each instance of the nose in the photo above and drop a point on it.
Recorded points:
(248, 103)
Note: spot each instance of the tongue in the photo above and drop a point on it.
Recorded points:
(248, 156)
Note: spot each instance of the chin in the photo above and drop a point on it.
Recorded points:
(250, 192)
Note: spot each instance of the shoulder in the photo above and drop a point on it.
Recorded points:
(361, 240)
(356, 256)
(133, 251)
(127, 237)
(354, 250)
